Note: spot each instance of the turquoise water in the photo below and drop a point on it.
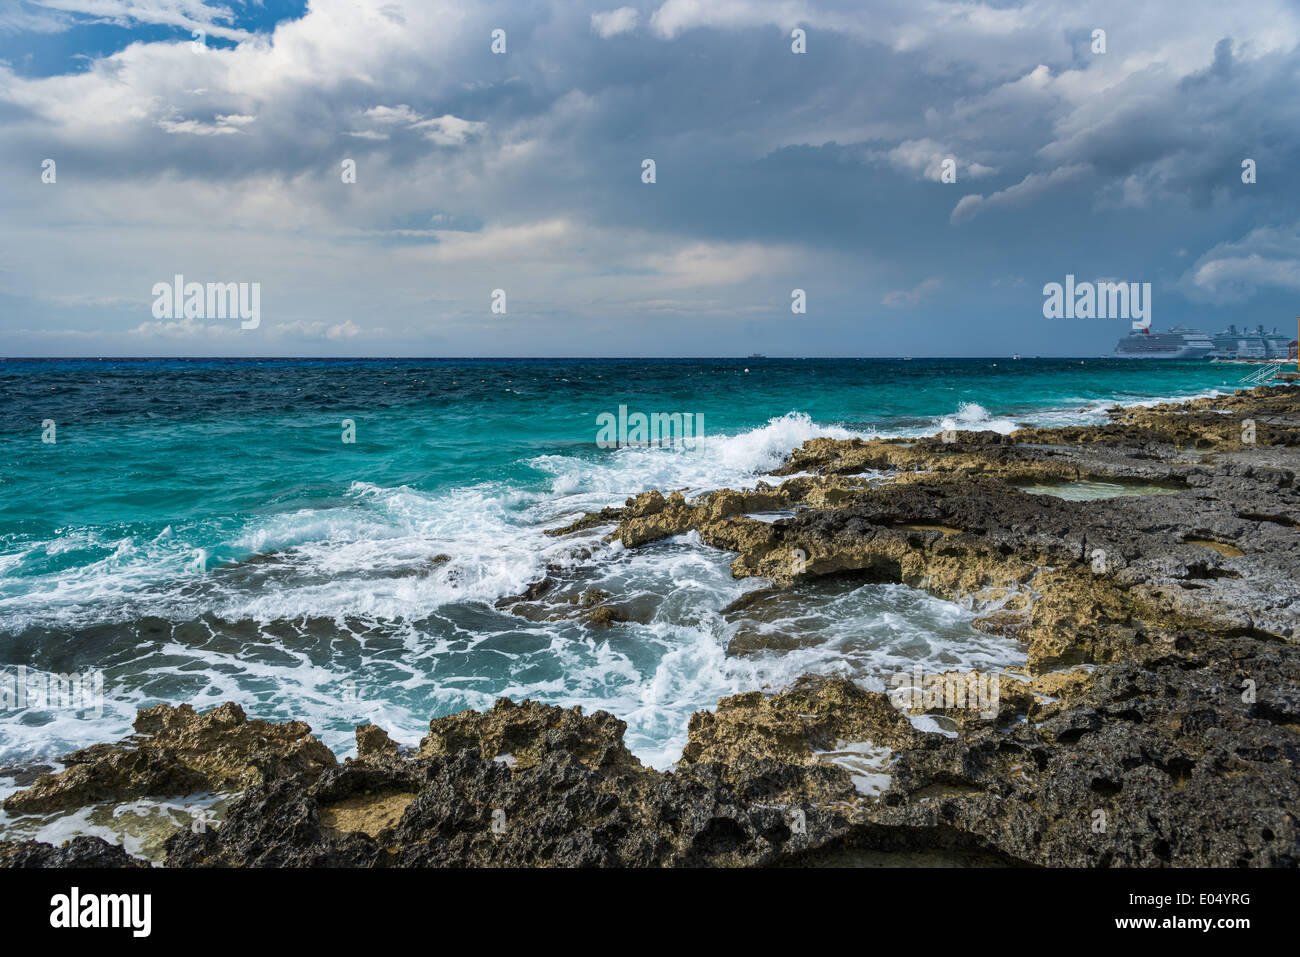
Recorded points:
(199, 531)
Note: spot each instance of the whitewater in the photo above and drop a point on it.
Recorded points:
(303, 586)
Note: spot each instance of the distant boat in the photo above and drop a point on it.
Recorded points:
(1016, 356)
(1244, 344)
(1177, 343)
(757, 355)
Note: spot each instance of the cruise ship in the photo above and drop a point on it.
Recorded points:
(1245, 344)
(1176, 343)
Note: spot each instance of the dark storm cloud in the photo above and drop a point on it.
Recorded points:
(773, 169)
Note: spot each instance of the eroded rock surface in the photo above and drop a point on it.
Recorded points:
(572, 795)
(176, 752)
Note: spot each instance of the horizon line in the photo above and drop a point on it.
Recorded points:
(733, 358)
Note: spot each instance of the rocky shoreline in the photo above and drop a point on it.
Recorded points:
(1157, 721)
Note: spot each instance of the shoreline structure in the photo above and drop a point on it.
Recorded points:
(1156, 723)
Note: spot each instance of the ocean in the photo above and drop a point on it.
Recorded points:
(200, 531)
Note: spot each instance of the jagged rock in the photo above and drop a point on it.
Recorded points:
(811, 715)
(79, 852)
(174, 752)
(1182, 771)
(1157, 721)
(604, 615)
(528, 731)
(374, 744)
(572, 796)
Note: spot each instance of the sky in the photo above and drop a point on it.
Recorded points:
(144, 139)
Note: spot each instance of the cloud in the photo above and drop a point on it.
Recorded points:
(544, 240)
(1268, 257)
(926, 157)
(676, 16)
(301, 329)
(445, 130)
(448, 130)
(613, 22)
(1026, 191)
(910, 297)
(392, 115)
(17, 18)
(816, 171)
(190, 15)
(702, 264)
(222, 125)
(185, 330)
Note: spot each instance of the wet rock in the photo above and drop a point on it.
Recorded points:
(528, 731)
(1009, 624)
(604, 615)
(812, 715)
(175, 752)
(571, 796)
(591, 598)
